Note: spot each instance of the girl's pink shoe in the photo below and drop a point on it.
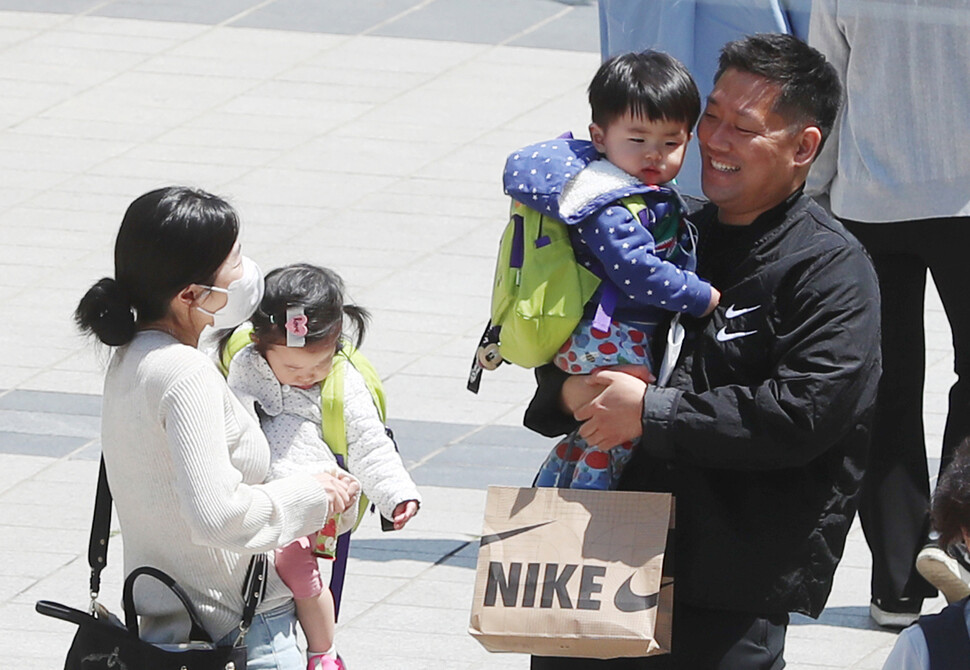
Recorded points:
(324, 662)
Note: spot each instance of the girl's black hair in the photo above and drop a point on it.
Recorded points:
(951, 499)
(650, 85)
(169, 238)
(320, 292)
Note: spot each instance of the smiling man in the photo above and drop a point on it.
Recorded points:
(763, 430)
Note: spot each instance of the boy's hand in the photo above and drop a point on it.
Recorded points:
(404, 512)
(715, 301)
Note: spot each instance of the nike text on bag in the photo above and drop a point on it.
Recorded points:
(566, 572)
(539, 290)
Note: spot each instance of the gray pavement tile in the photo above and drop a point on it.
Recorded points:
(324, 17)
(491, 22)
(52, 6)
(462, 561)
(51, 402)
(210, 12)
(493, 456)
(427, 591)
(429, 550)
(47, 423)
(509, 436)
(39, 445)
(417, 439)
(91, 452)
(472, 476)
(577, 30)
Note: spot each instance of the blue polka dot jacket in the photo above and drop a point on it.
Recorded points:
(569, 180)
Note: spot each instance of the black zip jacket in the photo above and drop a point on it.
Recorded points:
(763, 431)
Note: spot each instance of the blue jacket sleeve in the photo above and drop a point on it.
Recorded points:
(628, 253)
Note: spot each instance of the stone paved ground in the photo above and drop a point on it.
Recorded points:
(367, 136)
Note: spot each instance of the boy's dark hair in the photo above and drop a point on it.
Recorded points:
(951, 499)
(320, 291)
(810, 87)
(169, 238)
(649, 84)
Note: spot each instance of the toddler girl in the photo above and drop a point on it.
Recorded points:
(297, 336)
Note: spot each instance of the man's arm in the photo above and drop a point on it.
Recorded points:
(826, 370)
(546, 413)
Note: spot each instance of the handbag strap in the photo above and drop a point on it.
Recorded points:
(254, 585)
(100, 527)
(197, 632)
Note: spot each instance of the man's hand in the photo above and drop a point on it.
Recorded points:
(578, 391)
(615, 415)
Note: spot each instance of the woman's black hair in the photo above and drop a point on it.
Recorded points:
(650, 85)
(951, 500)
(169, 238)
(320, 292)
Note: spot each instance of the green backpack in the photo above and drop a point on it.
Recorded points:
(539, 293)
(331, 396)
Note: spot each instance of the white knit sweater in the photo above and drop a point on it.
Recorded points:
(186, 466)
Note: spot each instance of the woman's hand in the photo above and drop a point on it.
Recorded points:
(615, 415)
(404, 512)
(341, 489)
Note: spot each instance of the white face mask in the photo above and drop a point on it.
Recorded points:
(242, 297)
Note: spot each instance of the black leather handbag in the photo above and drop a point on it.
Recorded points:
(104, 642)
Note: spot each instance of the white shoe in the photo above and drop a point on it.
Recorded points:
(944, 572)
(883, 614)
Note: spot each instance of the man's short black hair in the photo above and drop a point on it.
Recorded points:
(810, 87)
(649, 84)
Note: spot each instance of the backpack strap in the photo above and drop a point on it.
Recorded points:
(236, 343)
(332, 406)
(335, 435)
(946, 636)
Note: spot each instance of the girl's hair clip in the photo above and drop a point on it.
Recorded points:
(295, 327)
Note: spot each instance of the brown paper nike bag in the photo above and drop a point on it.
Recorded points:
(565, 572)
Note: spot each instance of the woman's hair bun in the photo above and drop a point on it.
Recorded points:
(105, 311)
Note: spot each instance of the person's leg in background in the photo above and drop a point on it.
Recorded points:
(947, 259)
(894, 506)
(948, 568)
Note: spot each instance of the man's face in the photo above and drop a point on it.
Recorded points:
(752, 159)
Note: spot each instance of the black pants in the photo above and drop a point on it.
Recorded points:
(895, 491)
(703, 640)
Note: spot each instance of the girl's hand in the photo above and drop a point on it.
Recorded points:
(403, 513)
(341, 490)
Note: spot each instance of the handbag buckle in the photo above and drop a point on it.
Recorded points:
(241, 638)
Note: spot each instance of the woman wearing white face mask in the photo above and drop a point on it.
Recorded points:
(185, 463)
